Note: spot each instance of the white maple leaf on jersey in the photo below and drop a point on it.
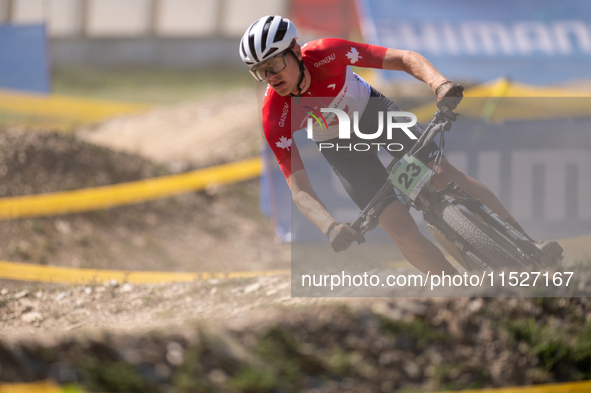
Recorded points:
(353, 55)
(284, 143)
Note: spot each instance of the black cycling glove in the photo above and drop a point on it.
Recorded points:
(342, 235)
(449, 95)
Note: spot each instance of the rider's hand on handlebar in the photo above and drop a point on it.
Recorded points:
(449, 95)
(342, 235)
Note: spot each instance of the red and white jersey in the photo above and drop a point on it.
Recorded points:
(333, 85)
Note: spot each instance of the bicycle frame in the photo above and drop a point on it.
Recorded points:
(369, 216)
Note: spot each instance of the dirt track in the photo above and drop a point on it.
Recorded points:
(205, 133)
(222, 230)
(218, 230)
(33, 309)
(251, 336)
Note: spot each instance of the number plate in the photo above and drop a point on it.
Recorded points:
(410, 176)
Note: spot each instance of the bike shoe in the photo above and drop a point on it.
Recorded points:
(552, 252)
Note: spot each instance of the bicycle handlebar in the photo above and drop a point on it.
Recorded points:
(441, 122)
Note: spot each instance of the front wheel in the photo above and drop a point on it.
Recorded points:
(498, 251)
(460, 257)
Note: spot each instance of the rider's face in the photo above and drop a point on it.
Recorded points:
(285, 82)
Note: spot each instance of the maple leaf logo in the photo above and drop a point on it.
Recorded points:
(353, 55)
(284, 143)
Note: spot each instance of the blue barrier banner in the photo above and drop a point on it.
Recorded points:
(275, 195)
(532, 41)
(23, 58)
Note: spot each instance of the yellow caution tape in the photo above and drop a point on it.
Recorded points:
(68, 275)
(36, 387)
(127, 193)
(54, 108)
(570, 387)
(508, 110)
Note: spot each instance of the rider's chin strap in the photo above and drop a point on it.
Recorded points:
(302, 74)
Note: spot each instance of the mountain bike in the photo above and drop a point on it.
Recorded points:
(470, 232)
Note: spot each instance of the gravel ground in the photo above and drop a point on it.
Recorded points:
(251, 336)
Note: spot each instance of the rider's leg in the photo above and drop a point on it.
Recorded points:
(447, 173)
(415, 247)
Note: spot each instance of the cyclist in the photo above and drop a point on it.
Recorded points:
(321, 69)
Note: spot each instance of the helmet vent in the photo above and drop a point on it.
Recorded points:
(281, 30)
(252, 47)
(270, 53)
(242, 50)
(266, 33)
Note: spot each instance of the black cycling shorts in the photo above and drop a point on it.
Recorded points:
(361, 172)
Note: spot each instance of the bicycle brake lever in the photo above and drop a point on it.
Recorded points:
(447, 125)
(446, 113)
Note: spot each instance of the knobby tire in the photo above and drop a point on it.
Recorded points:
(479, 235)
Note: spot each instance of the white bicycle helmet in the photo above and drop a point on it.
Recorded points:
(268, 36)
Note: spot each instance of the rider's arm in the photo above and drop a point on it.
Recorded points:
(413, 64)
(374, 56)
(307, 201)
(277, 128)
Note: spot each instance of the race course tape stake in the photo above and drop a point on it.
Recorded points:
(127, 193)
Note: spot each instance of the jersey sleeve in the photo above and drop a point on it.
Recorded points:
(352, 53)
(277, 128)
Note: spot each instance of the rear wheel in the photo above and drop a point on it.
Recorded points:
(498, 251)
